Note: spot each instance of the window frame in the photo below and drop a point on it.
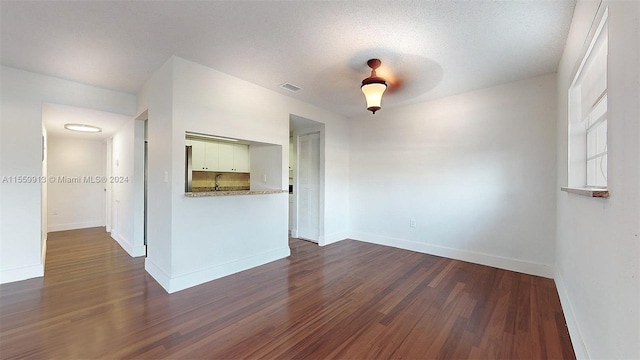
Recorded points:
(585, 134)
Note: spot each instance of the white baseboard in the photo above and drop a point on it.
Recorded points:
(158, 274)
(23, 273)
(184, 281)
(517, 265)
(74, 226)
(333, 238)
(131, 249)
(572, 325)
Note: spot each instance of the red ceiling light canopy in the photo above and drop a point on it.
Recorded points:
(373, 87)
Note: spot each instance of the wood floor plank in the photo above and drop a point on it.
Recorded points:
(348, 300)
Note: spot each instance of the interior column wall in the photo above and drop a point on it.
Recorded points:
(204, 238)
(127, 187)
(156, 98)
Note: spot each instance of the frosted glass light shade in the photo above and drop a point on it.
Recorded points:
(373, 93)
(82, 128)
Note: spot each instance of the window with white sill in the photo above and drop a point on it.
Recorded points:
(588, 109)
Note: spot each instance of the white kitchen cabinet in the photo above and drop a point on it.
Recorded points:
(211, 155)
(241, 158)
(204, 155)
(197, 155)
(225, 157)
(233, 157)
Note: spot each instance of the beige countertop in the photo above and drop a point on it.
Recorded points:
(233, 192)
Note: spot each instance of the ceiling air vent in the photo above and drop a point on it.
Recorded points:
(290, 87)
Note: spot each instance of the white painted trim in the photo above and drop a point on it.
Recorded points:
(132, 250)
(108, 171)
(43, 253)
(184, 281)
(577, 340)
(499, 262)
(157, 273)
(333, 238)
(138, 251)
(74, 226)
(23, 273)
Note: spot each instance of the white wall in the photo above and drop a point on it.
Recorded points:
(21, 154)
(265, 161)
(127, 166)
(597, 253)
(75, 205)
(476, 171)
(156, 97)
(211, 237)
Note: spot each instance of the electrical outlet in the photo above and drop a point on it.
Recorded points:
(412, 223)
(264, 177)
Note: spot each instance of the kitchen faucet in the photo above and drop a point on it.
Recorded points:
(217, 183)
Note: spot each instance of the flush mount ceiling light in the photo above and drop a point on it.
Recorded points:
(373, 87)
(82, 128)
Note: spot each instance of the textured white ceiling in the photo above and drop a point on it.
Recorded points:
(436, 48)
(54, 116)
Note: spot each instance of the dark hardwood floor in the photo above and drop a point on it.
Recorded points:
(349, 300)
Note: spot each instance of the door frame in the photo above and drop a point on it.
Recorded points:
(315, 128)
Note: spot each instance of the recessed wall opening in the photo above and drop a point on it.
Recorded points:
(217, 163)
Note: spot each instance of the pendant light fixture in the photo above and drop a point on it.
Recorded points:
(373, 87)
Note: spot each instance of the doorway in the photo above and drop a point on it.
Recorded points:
(307, 179)
(76, 165)
(94, 179)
